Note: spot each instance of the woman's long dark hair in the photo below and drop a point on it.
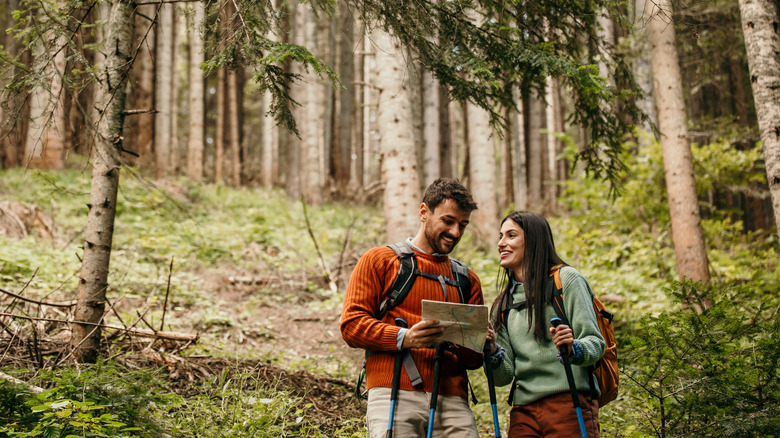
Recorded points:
(539, 257)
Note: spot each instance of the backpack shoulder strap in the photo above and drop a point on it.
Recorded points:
(403, 281)
(556, 293)
(460, 273)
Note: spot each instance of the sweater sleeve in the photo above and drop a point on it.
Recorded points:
(359, 327)
(578, 300)
(505, 372)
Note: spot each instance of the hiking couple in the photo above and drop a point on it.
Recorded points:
(418, 386)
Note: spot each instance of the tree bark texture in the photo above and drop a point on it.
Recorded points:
(343, 155)
(163, 89)
(431, 132)
(517, 136)
(482, 173)
(139, 128)
(761, 29)
(687, 232)
(234, 91)
(446, 154)
(551, 172)
(197, 87)
(45, 144)
(536, 142)
(110, 101)
(399, 164)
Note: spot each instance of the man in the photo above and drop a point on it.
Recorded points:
(444, 215)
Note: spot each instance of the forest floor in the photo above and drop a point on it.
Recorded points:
(236, 268)
(289, 335)
(283, 345)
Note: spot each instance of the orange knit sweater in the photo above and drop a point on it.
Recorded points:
(368, 286)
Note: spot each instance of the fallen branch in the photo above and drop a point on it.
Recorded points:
(144, 333)
(16, 381)
(41, 303)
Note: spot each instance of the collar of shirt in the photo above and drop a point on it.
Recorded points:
(409, 241)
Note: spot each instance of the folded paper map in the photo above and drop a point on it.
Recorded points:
(464, 324)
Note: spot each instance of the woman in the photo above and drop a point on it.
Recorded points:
(525, 346)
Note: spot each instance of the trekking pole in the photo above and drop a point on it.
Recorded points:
(492, 390)
(399, 358)
(435, 390)
(570, 378)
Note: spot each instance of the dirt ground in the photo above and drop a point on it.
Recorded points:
(276, 340)
(284, 325)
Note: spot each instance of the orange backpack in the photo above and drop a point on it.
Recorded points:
(606, 368)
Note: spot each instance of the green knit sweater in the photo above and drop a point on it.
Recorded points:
(535, 365)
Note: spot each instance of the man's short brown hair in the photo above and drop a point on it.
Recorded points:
(448, 188)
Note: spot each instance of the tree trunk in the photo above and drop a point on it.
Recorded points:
(270, 152)
(446, 148)
(687, 232)
(139, 128)
(233, 91)
(551, 179)
(358, 123)
(174, 165)
(642, 67)
(312, 112)
(221, 113)
(45, 144)
(343, 155)
(536, 142)
(110, 101)
(197, 87)
(760, 22)
(9, 122)
(294, 146)
(519, 166)
(431, 129)
(482, 173)
(399, 165)
(163, 89)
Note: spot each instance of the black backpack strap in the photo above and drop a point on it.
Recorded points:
(403, 281)
(555, 295)
(508, 305)
(460, 272)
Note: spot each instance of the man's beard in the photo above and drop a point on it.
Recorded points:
(435, 240)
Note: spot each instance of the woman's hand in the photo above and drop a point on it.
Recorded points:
(491, 339)
(562, 335)
(422, 334)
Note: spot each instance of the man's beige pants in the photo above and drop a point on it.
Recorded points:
(454, 418)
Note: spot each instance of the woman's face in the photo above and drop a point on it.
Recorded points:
(511, 246)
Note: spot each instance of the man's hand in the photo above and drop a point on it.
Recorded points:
(422, 334)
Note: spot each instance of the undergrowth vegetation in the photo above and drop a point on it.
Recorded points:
(682, 373)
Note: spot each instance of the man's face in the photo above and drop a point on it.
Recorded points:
(444, 226)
